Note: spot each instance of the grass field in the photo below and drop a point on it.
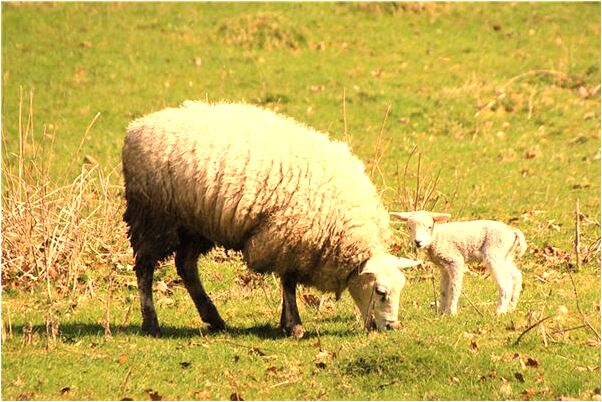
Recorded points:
(501, 101)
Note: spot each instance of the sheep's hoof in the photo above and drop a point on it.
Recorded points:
(218, 326)
(152, 330)
(297, 332)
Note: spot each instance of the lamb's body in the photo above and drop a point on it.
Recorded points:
(293, 201)
(452, 245)
(472, 240)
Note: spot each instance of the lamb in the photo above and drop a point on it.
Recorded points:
(294, 202)
(451, 245)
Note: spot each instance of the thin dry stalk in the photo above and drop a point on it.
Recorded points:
(474, 306)
(106, 321)
(577, 236)
(578, 264)
(583, 316)
(380, 148)
(344, 107)
(558, 74)
(422, 197)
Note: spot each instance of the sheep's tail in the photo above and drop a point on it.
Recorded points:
(519, 246)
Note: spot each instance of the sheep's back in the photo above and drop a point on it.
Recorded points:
(225, 170)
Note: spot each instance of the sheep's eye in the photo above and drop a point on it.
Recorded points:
(380, 290)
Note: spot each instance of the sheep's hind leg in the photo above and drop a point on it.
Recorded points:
(505, 283)
(517, 285)
(290, 322)
(144, 275)
(186, 264)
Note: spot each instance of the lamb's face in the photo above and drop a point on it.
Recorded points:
(421, 226)
(376, 290)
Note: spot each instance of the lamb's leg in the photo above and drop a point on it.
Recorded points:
(501, 273)
(186, 264)
(517, 285)
(444, 292)
(456, 276)
(144, 274)
(290, 322)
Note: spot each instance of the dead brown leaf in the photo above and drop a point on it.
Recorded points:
(519, 376)
(532, 153)
(153, 395)
(377, 73)
(202, 395)
(532, 362)
(235, 396)
(122, 358)
(589, 115)
(527, 394)
(310, 300)
(25, 396)
(491, 374)
(272, 370)
(506, 389)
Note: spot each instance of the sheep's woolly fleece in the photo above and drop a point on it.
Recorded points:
(281, 192)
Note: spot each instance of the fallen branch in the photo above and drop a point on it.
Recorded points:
(530, 328)
(474, 306)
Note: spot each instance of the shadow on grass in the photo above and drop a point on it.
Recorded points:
(71, 332)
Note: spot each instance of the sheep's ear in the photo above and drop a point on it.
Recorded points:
(404, 216)
(439, 217)
(407, 263)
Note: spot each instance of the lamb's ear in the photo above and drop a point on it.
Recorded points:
(439, 217)
(404, 216)
(407, 263)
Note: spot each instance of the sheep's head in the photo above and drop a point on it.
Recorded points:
(377, 288)
(422, 225)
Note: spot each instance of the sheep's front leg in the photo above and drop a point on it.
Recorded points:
(290, 322)
(456, 277)
(444, 292)
(186, 264)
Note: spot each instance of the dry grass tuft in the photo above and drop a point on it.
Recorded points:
(423, 197)
(263, 31)
(60, 234)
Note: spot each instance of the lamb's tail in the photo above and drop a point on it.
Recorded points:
(519, 246)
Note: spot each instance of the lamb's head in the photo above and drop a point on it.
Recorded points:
(377, 288)
(422, 225)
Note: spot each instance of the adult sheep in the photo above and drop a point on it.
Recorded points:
(294, 202)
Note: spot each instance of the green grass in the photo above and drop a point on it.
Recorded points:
(503, 98)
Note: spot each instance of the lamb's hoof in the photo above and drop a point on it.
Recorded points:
(297, 332)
